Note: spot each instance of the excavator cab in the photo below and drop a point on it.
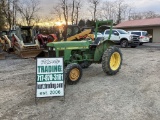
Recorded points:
(69, 31)
(72, 30)
(27, 34)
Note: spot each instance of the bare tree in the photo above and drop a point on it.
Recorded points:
(77, 5)
(67, 10)
(121, 7)
(129, 13)
(37, 19)
(150, 14)
(72, 14)
(93, 5)
(117, 10)
(2, 18)
(7, 11)
(57, 11)
(108, 10)
(143, 15)
(28, 10)
(15, 2)
(65, 5)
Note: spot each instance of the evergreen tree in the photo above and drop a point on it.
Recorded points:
(90, 23)
(81, 23)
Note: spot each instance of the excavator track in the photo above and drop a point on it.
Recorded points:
(2, 56)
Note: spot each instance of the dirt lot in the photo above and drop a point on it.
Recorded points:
(132, 94)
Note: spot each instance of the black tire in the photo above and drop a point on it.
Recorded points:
(85, 64)
(133, 46)
(75, 76)
(150, 40)
(124, 43)
(106, 59)
(141, 44)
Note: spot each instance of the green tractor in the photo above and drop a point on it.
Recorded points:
(81, 54)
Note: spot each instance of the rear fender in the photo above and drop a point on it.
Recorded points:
(52, 38)
(101, 48)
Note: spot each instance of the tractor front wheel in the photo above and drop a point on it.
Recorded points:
(112, 60)
(73, 73)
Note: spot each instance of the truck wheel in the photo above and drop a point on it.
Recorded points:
(73, 73)
(133, 46)
(141, 44)
(111, 60)
(124, 43)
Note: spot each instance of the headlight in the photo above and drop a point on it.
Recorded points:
(130, 37)
(50, 48)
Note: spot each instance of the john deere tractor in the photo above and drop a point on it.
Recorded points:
(81, 54)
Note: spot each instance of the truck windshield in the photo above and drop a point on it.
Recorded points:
(136, 33)
(144, 33)
(122, 31)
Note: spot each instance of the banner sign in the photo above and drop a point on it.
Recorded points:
(49, 80)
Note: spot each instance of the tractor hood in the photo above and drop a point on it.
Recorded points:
(70, 44)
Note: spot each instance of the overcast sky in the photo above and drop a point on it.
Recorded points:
(139, 5)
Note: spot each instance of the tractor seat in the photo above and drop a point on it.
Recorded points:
(93, 46)
(24, 38)
(98, 39)
(95, 43)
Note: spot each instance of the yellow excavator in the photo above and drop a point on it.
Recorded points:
(74, 33)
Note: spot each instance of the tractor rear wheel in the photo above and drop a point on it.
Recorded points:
(112, 60)
(73, 73)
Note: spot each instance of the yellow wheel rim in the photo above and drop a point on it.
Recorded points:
(115, 61)
(74, 74)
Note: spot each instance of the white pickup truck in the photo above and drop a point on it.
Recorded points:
(121, 37)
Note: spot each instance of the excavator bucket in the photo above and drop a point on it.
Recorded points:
(29, 53)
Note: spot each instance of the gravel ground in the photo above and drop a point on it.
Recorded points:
(132, 94)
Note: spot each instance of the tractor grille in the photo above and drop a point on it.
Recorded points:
(61, 53)
(51, 53)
